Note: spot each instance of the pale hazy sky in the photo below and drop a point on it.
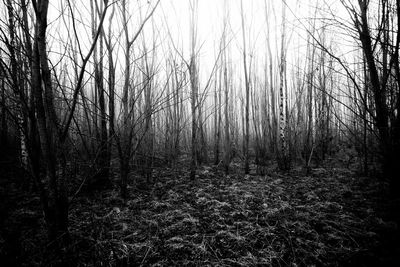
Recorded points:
(174, 16)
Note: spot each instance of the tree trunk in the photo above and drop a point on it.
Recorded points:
(55, 203)
(247, 105)
(217, 118)
(194, 89)
(379, 93)
(124, 169)
(101, 179)
(283, 158)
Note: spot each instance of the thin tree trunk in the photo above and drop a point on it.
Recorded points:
(247, 105)
(217, 114)
(193, 72)
(284, 164)
(194, 90)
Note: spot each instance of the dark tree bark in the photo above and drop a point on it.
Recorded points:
(388, 134)
(103, 155)
(55, 202)
(194, 91)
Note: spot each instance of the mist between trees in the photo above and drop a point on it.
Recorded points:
(93, 91)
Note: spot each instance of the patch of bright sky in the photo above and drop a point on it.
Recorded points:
(171, 22)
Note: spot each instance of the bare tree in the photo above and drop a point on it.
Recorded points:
(247, 105)
(386, 120)
(284, 157)
(126, 148)
(194, 87)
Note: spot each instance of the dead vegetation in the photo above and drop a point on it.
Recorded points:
(330, 218)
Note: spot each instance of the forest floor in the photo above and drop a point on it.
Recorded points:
(331, 217)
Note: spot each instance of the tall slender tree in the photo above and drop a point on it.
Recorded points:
(247, 104)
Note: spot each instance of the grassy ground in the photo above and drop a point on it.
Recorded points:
(330, 217)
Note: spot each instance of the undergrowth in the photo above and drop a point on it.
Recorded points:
(330, 217)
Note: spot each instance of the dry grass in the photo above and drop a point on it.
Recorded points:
(330, 218)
